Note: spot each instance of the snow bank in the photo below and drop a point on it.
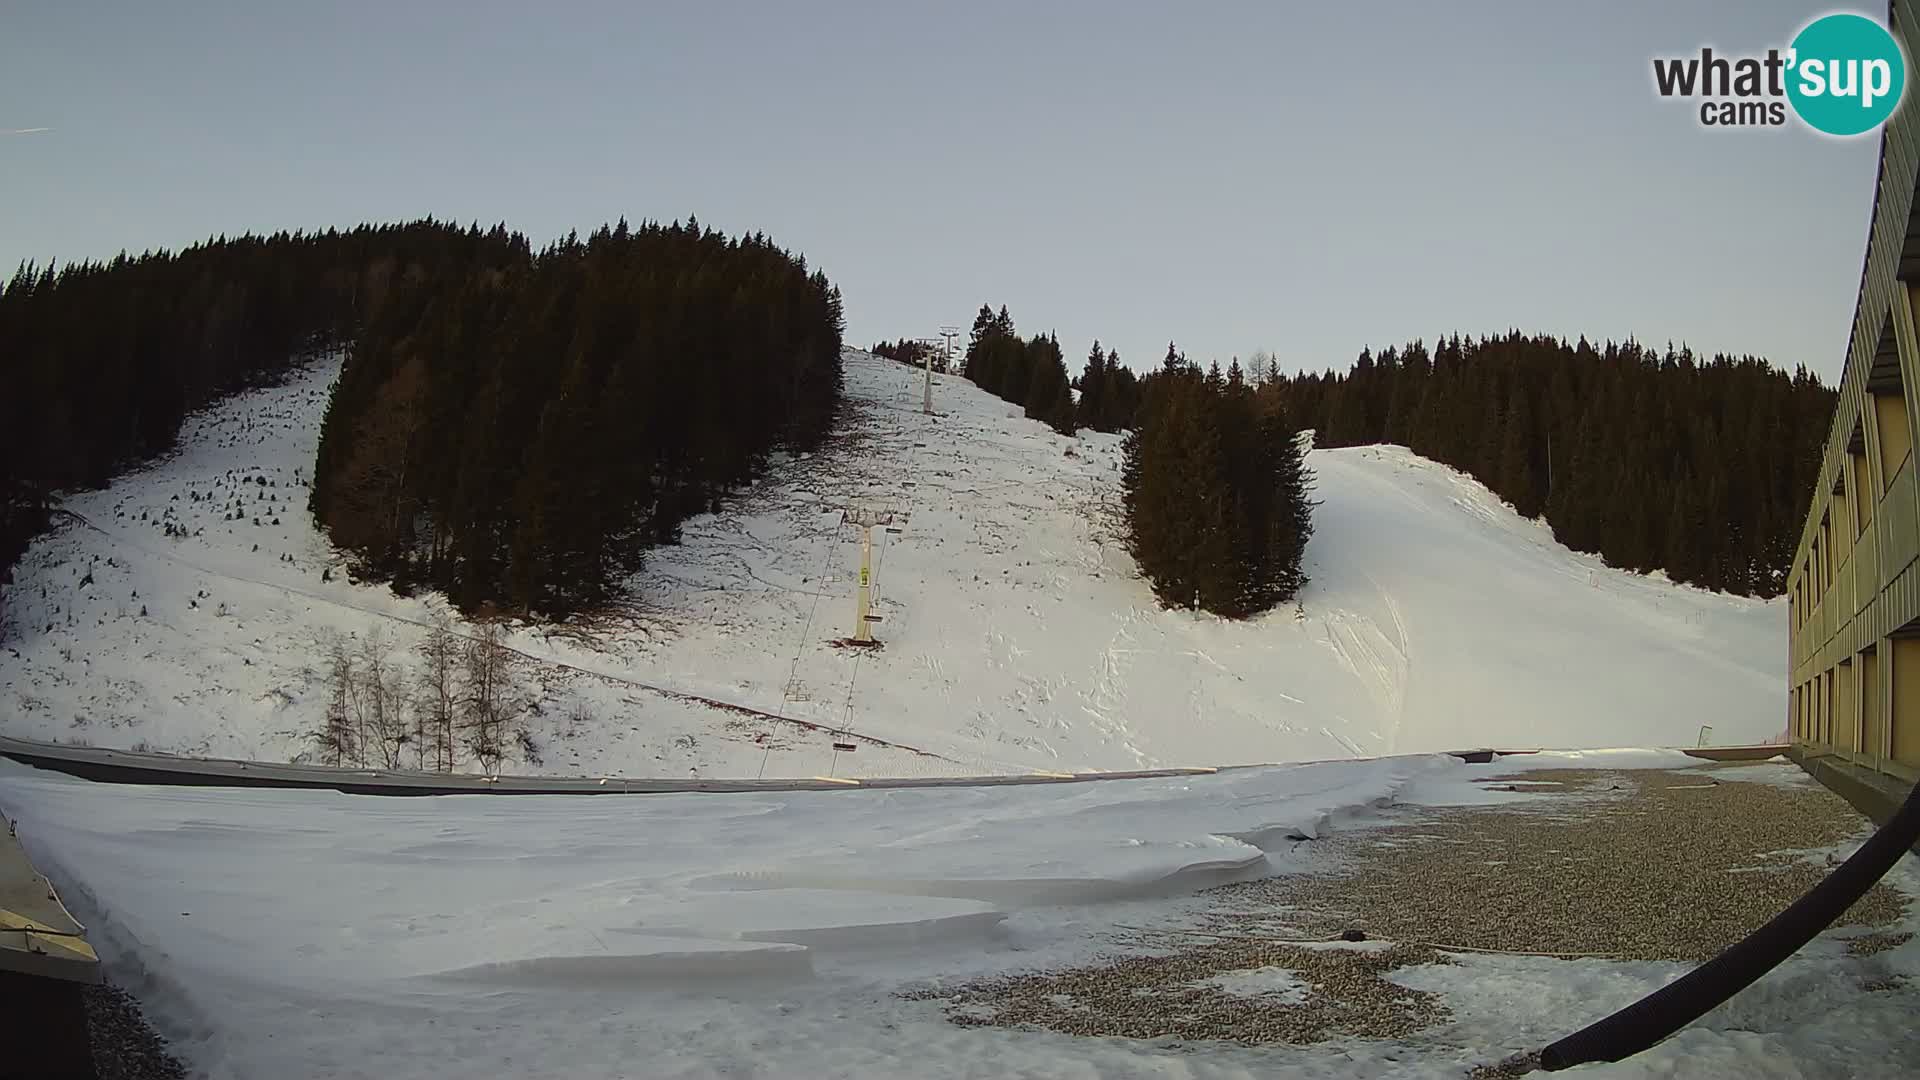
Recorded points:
(403, 922)
(298, 933)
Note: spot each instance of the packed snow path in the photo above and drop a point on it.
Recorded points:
(1017, 633)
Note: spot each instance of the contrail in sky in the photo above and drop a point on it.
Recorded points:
(24, 131)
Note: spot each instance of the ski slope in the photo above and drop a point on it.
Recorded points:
(1017, 633)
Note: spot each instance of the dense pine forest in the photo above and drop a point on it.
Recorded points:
(519, 435)
(513, 427)
(1109, 393)
(1654, 459)
(1217, 494)
(102, 361)
(912, 353)
(1032, 373)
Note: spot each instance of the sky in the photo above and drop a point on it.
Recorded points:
(1232, 176)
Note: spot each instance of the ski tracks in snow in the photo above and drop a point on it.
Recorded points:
(1380, 661)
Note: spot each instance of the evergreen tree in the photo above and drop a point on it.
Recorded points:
(1515, 469)
(1215, 493)
(1049, 397)
(1123, 394)
(1094, 409)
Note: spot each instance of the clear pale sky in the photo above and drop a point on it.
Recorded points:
(1233, 176)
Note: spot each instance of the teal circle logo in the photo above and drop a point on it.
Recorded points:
(1845, 74)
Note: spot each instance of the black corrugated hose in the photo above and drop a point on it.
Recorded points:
(1686, 999)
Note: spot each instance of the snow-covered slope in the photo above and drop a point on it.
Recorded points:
(1017, 632)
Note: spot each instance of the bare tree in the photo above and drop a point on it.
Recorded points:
(382, 699)
(337, 738)
(493, 697)
(1261, 368)
(439, 700)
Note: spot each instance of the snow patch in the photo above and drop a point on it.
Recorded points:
(1274, 986)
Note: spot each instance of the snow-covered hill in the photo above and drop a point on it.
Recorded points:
(182, 607)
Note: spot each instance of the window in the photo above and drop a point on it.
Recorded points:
(1873, 711)
(1905, 728)
(1865, 493)
(1846, 711)
(1889, 407)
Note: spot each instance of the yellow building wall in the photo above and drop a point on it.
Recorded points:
(1854, 587)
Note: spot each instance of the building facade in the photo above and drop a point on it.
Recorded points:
(1854, 591)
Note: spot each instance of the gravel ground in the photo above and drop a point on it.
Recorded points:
(1631, 865)
(1644, 865)
(124, 1046)
(1868, 944)
(1160, 997)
